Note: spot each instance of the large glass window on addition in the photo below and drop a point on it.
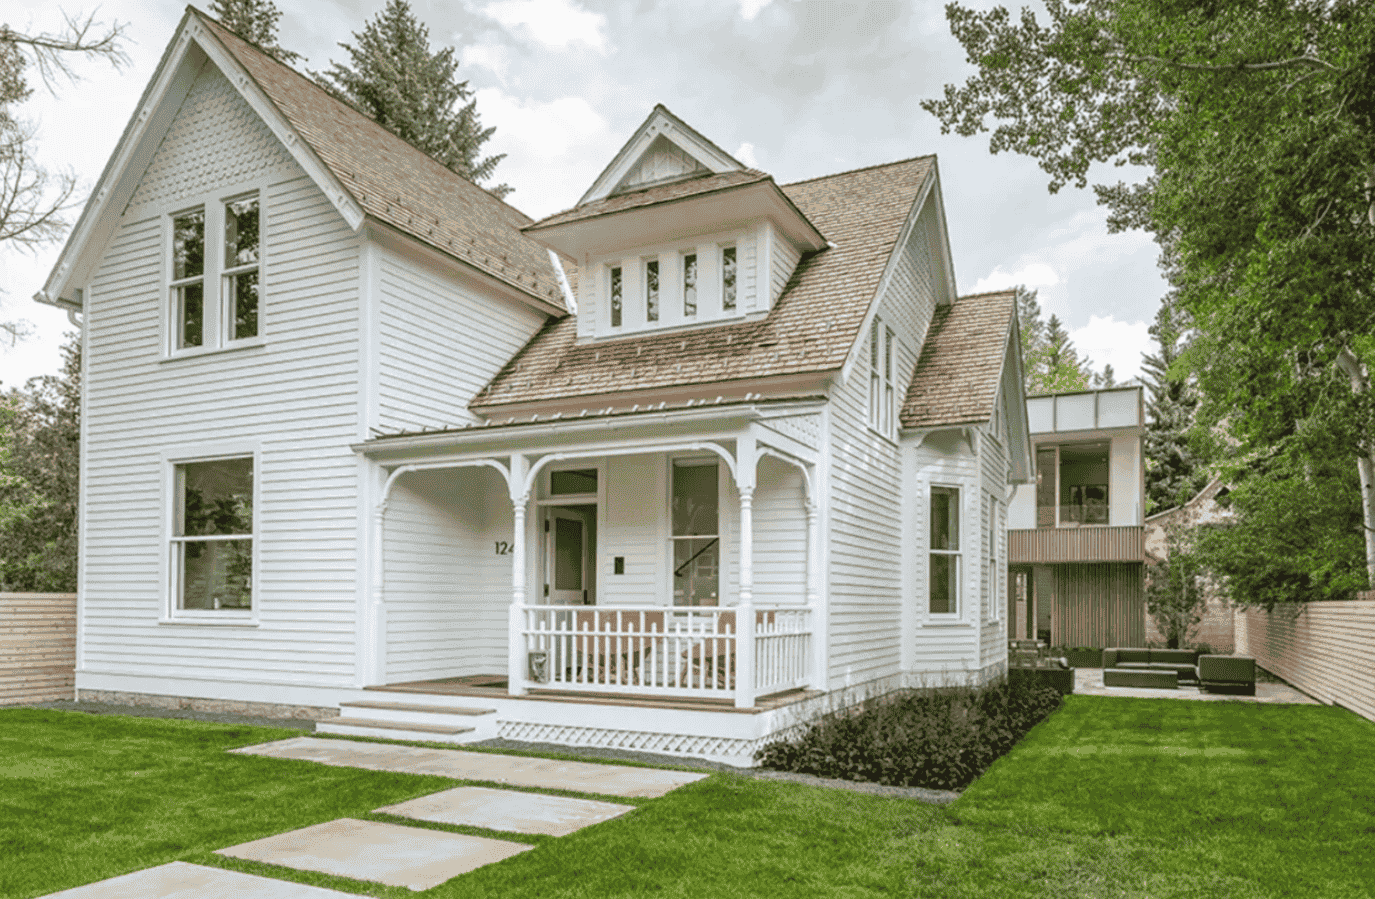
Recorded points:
(188, 277)
(212, 534)
(696, 537)
(241, 267)
(1084, 484)
(945, 551)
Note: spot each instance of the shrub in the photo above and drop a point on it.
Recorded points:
(939, 738)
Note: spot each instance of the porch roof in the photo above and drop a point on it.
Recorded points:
(810, 329)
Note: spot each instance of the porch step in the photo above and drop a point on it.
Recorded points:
(398, 719)
(395, 730)
(412, 707)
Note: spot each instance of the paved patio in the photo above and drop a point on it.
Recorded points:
(1089, 681)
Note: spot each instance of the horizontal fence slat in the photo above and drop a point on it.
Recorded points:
(1326, 649)
(37, 647)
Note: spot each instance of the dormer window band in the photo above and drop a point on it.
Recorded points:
(728, 278)
(652, 290)
(690, 285)
(616, 289)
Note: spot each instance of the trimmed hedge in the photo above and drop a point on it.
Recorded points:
(940, 738)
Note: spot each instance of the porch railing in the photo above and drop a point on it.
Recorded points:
(664, 651)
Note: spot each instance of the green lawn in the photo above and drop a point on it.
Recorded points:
(1108, 797)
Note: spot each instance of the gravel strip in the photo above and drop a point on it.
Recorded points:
(141, 711)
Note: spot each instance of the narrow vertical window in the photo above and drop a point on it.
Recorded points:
(945, 551)
(188, 278)
(889, 406)
(994, 572)
(728, 279)
(241, 267)
(212, 535)
(616, 297)
(690, 285)
(696, 539)
(652, 290)
(875, 377)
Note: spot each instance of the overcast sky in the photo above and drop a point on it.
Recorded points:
(794, 88)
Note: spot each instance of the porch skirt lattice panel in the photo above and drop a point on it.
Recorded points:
(636, 740)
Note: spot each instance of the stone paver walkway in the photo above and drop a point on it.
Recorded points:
(381, 853)
(578, 777)
(1090, 681)
(508, 810)
(179, 880)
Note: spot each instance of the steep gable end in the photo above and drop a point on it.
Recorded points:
(662, 150)
(663, 161)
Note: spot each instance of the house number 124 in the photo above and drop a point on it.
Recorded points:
(503, 548)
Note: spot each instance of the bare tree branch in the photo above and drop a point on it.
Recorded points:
(51, 53)
(32, 200)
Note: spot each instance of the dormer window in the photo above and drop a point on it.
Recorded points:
(689, 285)
(728, 278)
(616, 289)
(652, 290)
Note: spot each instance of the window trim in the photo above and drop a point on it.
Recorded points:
(216, 318)
(171, 589)
(961, 603)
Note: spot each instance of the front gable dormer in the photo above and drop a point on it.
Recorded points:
(676, 233)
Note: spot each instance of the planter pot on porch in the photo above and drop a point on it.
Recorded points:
(1061, 679)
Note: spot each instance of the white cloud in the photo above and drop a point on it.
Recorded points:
(1107, 341)
(493, 57)
(553, 23)
(751, 8)
(746, 155)
(1034, 275)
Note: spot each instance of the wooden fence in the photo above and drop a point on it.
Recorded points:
(37, 647)
(1326, 649)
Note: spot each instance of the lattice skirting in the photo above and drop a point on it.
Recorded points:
(639, 741)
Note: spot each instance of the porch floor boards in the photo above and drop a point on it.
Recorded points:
(494, 687)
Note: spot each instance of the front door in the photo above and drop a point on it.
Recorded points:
(568, 555)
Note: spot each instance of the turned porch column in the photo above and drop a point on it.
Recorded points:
(515, 630)
(746, 457)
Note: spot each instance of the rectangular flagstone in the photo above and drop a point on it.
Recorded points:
(179, 880)
(508, 810)
(578, 777)
(382, 853)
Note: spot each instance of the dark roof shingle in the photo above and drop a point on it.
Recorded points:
(810, 329)
(663, 193)
(396, 183)
(956, 381)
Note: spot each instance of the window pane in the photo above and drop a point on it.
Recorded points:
(690, 284)
(241, 232)
(945, 518)
(216, 574)
(190, 315)
(694, 500)
(216, 497)
(696, 572)
(243, 298)
(652, 291)
(616, 297)
(728, 278)
(188, 245)
(583, 480)
(944, 581)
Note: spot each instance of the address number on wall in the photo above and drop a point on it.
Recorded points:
(503, 548)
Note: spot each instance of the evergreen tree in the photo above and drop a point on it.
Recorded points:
(1055, 366)
(395, 79)
(256, 22)
(1029, 320)
(1174, 472)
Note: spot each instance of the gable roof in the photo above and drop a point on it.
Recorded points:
(660, 124)
(810, 329)
(355, 161)
(662, 193)
(961, 364)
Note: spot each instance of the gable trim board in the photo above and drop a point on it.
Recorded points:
(661, 122)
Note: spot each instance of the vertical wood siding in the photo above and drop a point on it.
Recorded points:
(1083, 544)
(446, 589)
(296, 396)
(865, 515)
(423, 383)
(1099, 605)
(1326, 649)
(37, 647)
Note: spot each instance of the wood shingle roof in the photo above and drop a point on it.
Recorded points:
(961, 364)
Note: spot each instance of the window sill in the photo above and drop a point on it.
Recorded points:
(252, 343)
(890, 439)
(218, 620)
(951, 623)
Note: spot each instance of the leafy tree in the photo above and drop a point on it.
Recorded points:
(412, 92)
(38, 480)
(1254, 127)
(256, 22)
(1174, 599)
(1174, 470)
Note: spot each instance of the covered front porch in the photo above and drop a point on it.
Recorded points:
(669, 563)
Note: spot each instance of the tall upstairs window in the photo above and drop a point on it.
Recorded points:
(241, 267)
(188, 278)
(214, 283)
(882, 414)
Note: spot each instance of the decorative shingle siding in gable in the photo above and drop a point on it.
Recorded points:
(961, 364)
(811, 328)
(215, 140)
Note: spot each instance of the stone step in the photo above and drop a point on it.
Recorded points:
(395, 730)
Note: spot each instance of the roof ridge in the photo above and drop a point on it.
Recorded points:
(986, 293)
(863, 168)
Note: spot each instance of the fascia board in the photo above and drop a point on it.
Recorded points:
(660, 121)
(913, 215)
(947, 259)
(1011, 380)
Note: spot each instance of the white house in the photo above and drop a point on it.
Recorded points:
(673, 470)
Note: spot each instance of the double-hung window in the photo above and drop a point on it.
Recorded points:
(944, 554)
(212, 535)
(881, 394)
(214, 278)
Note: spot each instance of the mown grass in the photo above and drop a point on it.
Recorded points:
(1106, 798)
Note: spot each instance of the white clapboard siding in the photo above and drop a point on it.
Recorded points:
(866, 552)
(996, 469)
(423, 383)
(785, 259)
(295, 397)
(944, 652)
(780, 535)
(447, 590)
(634, 526)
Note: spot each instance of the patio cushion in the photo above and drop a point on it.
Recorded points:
(1226, 669)
(1174, 657)
(1140, 656)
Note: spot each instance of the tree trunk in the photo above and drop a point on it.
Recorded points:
(1365, 463)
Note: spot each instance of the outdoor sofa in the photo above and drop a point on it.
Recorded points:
(1183, 662)
(1227, 674)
